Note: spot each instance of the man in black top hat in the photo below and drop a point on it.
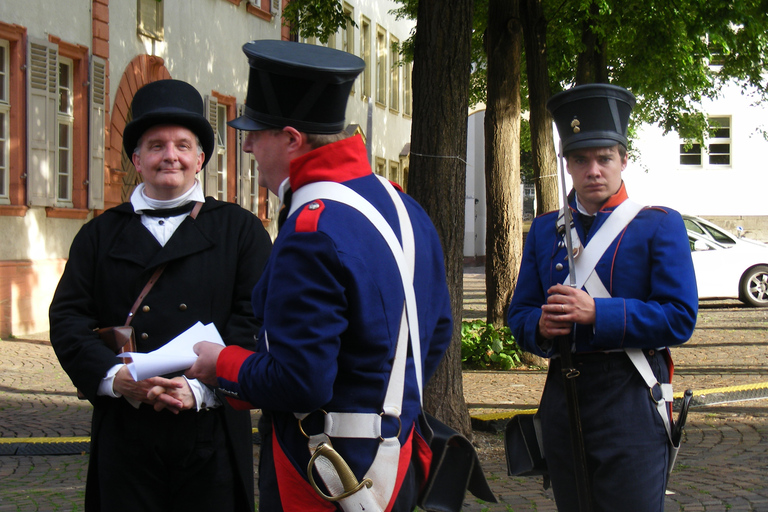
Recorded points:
(332, 301)
(634, 296)
(167, 442)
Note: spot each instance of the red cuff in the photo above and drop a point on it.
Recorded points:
(239, 405)
(229, 362)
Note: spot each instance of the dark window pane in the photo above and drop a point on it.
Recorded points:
(3, 184)
(720, 127)
(63, 136)
(718, 235)
(690, 159)
(720, 159)
(63, 192)
(694, 149)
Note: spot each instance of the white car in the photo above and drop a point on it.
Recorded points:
(715, 233)
(738, 270)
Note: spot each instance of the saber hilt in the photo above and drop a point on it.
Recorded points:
(347, 478)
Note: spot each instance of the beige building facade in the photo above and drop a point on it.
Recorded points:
(68, 73)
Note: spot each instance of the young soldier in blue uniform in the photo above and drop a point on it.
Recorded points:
(331, 298)
(649, 302)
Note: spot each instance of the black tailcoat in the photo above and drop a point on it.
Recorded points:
(213, 261)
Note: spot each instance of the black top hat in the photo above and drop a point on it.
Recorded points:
(299, 85)
(592, 115)
(170, 102)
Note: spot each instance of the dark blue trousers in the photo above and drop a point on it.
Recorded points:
(625, 439)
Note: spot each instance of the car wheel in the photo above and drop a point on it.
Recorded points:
(753, 289)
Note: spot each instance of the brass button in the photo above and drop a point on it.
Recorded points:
(559, 266)
(144, 336)
(182, 307)
(145, 309)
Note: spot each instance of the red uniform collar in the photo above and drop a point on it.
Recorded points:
(338, 162)
(616, 199)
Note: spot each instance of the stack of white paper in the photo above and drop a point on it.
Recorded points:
(176, 355)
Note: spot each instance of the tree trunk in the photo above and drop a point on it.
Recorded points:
(592, 62)
(437, 178)
(542, 137)
(504, 224)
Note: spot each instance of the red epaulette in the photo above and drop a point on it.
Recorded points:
(309, 216)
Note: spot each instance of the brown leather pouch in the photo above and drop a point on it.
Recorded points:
(119, 339)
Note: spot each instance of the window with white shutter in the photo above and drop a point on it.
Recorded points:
(407, 88)
(65, 120)
(348, 34)
(98, 98)
(221, 152)
(42, 101)
(150, 19)
(394, 74)
(5, 108)
(381, 66)
(248, 181)
(210, 172)
(365, 54)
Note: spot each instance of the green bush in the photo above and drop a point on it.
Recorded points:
(483, 347)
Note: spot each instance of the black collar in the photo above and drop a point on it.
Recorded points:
(170, 212)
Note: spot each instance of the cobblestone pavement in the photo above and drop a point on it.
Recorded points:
(722, 466)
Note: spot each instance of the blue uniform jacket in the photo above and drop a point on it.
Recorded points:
(647, 270)
(330, 300)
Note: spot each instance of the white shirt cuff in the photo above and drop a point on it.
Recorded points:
(106, 387)
(205, 398)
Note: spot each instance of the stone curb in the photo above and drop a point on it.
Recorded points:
(497, 421)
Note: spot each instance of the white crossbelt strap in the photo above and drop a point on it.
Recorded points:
(342, 194)
(383, 470)
(586, 277)
(588, 257)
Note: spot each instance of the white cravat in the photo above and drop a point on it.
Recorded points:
(162, 228)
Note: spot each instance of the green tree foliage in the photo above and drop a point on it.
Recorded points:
(312, 18)
(663, 52)
(658, 49)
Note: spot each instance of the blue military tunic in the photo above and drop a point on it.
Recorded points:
(331, 302)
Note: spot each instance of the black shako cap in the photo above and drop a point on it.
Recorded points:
(168, 102)
(299, 85)
(592, 115)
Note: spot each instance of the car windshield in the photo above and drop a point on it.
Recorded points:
(718, 235)
(707, 230)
